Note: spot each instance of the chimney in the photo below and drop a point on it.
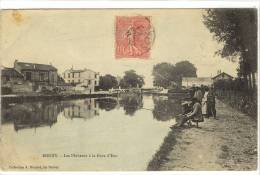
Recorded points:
(15, 61)
(15, 64)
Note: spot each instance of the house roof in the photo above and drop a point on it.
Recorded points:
(10, 72)
(222, 73)
(33, 66)
(79, 70)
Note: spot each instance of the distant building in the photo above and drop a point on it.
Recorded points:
(11, 76)
(196, 81)
(83, 78)
(222, 76)
(38, 74)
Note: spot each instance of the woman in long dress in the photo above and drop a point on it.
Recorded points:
(204, 102)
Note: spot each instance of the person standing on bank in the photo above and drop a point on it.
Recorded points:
(198, 94)
(204, 102)
(211, 109)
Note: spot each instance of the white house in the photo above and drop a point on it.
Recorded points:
(196, 81)
(84, 79)
(222, 76)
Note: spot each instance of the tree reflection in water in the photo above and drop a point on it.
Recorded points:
(166, 109)
(107, 104)
(45, 113)
(131, 103)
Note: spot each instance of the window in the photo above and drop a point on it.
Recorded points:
(95, 75)
(7, 78)
(41, 76)
(68, 75)
(79, 80)
(28, 76)
(89, 81)
(79, 74)
(95, 82)
(78, 110)
(72, 75)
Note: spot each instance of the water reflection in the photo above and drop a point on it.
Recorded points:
(108, 104)
(31, 115)
(165, 109)
(83, 126)
(131, 103)
(45, 113)
(85, 109)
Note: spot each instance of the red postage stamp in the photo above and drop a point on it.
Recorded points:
(133, 37)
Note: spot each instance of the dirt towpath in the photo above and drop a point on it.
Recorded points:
(228, 143)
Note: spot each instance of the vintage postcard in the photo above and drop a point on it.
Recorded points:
(129, 89)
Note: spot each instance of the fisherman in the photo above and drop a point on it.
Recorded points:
(195, 114)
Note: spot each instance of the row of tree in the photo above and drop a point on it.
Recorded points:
(168, 75)
(165, 75)
(130, 80)
(236, 29)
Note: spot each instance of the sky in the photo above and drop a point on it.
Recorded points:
(85, 38)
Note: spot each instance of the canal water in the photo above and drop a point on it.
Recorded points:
(113, 134)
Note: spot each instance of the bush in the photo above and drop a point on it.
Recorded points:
(6, 90)
(237, 95)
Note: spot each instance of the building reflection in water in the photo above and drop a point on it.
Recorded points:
(45, 113)
(166, 109)
(86, 109)
(30, 115)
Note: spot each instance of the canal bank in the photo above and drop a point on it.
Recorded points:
(18, 98)
(228, 143)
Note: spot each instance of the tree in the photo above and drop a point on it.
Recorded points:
(131, 79)
(163, 74)
(236, 29)
(184, 69)
(107, 82)
(167, 74)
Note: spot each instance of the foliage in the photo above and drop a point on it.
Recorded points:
(234, 92)
(107, 82)
(107, 104)
(166, 109)
(238, 84)
(131, 102)
(131, 80)
(185, 69)
(6, 90)
(163, 74)
(167, 74)
(237, 30)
